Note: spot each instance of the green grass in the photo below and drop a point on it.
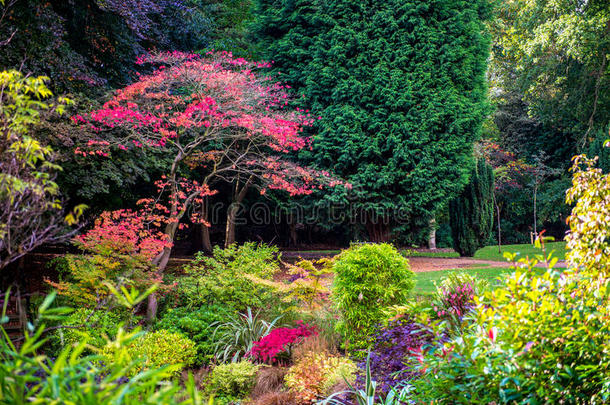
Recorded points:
(491, 252)
(425, 281)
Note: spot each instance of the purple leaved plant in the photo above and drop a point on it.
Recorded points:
(392, 355)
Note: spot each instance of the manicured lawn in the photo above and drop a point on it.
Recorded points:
(491, 252)
(425, 281)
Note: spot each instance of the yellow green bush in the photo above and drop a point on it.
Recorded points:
(232, 381)
(153, 350)
(369, 278)
(588, 242)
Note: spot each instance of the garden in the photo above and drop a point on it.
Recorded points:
(243, 326)
(339, 202)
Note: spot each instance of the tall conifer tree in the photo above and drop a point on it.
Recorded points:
(400, 86)
(471, 214)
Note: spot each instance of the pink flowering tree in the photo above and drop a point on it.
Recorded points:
(217, 118)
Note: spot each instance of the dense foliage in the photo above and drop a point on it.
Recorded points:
(400, 88)
(587, 240)
(197, 324)
(89, 44)
(316, 374)
(86, 324)
(233, 381)
(178, 140)
(156, 349)
(553, 55)
(390, 360)
(218, 119)
(471, 213)
(226, 278)
(536, 338)
(27, 375)
(30, 201)
(368, 279)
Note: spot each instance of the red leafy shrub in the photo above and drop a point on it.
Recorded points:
(123, 232)
(454, 302)
(454, 298)
(270, 348)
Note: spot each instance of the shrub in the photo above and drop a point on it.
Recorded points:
(538, 339)
(94, 327)
(232, 381)
(120, 248)
(28, 376)
(278, 343)
(197, 325)
(269, 379)
(155, 349)
(276, 398)
(471, 214)
(368, 395)
(390, 359)
(588, 242)
(84, 278)
(235, 337)
(316, 374)
(306, 286)
(369, 278)
(316, 343)
(454, 297)
(223, 279)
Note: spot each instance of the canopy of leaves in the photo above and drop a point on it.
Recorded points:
(554, 54)
(400, 87)
(30, 205)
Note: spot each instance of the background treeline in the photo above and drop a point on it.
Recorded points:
(411, 95)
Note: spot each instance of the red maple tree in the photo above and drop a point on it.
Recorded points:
(218, 118)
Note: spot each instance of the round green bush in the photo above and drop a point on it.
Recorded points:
(197, 325)
(369, 278)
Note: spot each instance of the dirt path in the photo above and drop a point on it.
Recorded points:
(422, 264)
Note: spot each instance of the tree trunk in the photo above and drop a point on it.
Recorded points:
(206, 242)
(292, 226)
(499, 229)
(378, 230)
(598, 81)
(432, 234)
(238, 198)
(161, 262)
(230, 228)
(535, 219)
(293, 234)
